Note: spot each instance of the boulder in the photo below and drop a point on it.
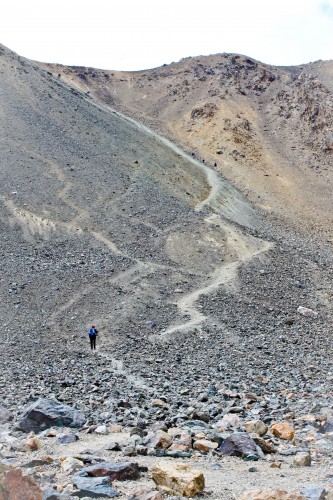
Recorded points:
(257, 426)
(101, 429)
(146, 493)
(205, 445)
(227, 422)
(158, 439)
(283, 430)
(159, 403)
(326, 427)
(97, 487)
(239, 444)
(14, 485)
(71, 464)
(45, 413)
(271, 495)
(120, 471)
(51, 494)
(178, 479)
(315, 493)
(302, 459)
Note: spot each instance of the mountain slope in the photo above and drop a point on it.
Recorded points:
(101, 220)
(194, 290)
(269, 130)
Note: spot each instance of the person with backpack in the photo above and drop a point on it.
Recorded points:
(92, 337)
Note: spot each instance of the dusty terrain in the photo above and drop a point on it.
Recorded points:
(113, 212)
(268, 129)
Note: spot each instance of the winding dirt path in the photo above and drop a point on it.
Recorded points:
(245, 247)
(223, 198)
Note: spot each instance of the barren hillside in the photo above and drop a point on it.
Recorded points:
(269, 130)
(185, 211)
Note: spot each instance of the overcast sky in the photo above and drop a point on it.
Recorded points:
(142, 34)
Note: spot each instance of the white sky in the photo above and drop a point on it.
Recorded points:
(142, 34)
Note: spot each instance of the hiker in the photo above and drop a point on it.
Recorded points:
(92, 337)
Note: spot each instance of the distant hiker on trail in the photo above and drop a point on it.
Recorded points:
(92, 336)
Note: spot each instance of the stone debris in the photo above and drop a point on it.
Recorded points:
(94, 487)
(305, 311)
(14, 485)
(146, 493)
(204, 352)
(271, 495)
(283, 430)
(46, 413)
(178, 479)
(120, 471)
(239, 444)
(302, 459)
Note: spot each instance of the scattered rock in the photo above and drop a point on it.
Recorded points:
(101, 429)
(302, 459)
(178, 479)
(283, 430)
(5, 415)
(159, 403)
(14, 485)
(71, 464)
(97, 487)
(239, 444)
(305, 311)
(314, 493)
(67, 438)
(121, 471)
(256, 426)
(146, 493)
(205, 445)
(326, 427)
(271, 495)
(113, 446)
(264, 444)
(46, 413)
(158, 439)
(228, 421)
(50, 494)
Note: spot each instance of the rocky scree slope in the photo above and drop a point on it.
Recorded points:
(196, 295)
(268, 129)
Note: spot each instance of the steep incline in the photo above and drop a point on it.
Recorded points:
(269, 130)
(101, 219)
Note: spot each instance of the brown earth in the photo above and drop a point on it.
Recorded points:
(268, 129)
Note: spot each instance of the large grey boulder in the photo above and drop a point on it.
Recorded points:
(97, 487)
(239, 444)
(46, 413)
(120, 471)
